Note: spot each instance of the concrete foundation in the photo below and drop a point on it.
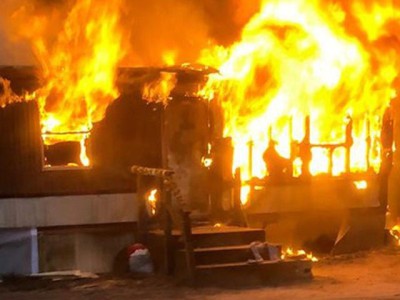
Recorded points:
(75, 232)
(18, 251)
(97, 249)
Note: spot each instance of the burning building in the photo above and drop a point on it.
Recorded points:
(300, 105)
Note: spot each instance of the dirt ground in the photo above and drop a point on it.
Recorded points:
(365, 275)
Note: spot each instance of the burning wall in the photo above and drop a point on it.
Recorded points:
(279, 61)
(128, 134)
(309, 58)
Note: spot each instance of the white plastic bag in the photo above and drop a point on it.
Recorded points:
(140, 262)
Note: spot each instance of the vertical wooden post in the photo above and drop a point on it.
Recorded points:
(168, 242)
(250, 145)
(291, 140)
(348, 144)
(166, 202)
(239, 218)
(189, 248)
(142, 216)
(368, 142)
(237, 185)
(387, 156)
(305, 150)
(221, 176)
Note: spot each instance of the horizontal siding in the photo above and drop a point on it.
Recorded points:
(67, 210)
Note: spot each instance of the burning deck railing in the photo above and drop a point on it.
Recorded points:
(301, 154)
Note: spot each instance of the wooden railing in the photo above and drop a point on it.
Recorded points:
(168, 188)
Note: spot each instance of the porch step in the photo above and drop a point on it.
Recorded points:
(220, 255)
(241, 273)
(209, 236)
(212, 237)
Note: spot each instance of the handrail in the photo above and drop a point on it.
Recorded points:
(170, 185)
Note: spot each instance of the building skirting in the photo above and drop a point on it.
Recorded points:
(67, 210)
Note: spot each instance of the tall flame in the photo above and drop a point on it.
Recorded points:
(79, 69)
(7, 96)
(160, 89)
(297, 59)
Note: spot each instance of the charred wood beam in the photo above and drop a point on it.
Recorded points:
(238, 215)
(65, 133)
(329, 146)
(220, 180)
(167, 228)
(189, 247)
(368, 141)
(305, 150)
(139, 170)
(387, 139)
(348, 143)
(250, 145)
(142, 226)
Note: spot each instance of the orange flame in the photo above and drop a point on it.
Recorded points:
(169, 57)
(395, 233)
(160, 89)
(152, 200)
(7, 96)
(79, 70)
(290, 253)
(297, 59)
(361, 184)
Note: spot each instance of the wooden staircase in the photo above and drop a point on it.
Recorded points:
(216, 255)
(221, 257)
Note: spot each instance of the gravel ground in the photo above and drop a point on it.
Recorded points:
(365, 275)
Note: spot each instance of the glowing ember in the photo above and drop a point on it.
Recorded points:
(361, 185)
(297, 59)
(395, 232)
(207, 162)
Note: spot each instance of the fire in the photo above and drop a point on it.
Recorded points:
(152, 197)
(206, 161)
(83, 155)
(79, 70)
(290, 253)
(159, 90)
(361, 184)
(395, 232)
(169, 57)
(299, 59)
(7, 96)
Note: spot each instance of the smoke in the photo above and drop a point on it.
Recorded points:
(180, 29)
(13, 49)
(183, 27)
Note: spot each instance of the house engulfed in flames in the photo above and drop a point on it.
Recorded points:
(302, 105)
